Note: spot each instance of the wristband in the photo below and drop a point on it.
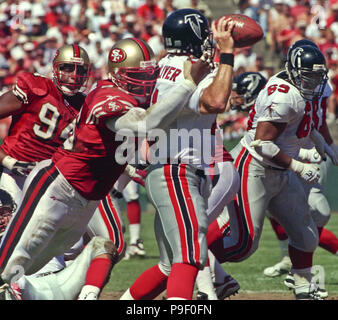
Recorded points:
(226, 58)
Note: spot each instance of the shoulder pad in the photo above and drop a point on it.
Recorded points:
(29, 85)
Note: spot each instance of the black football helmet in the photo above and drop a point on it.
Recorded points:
(299, 43)
(7, 208)
(187, 31)
(247, 85)
(306, 68)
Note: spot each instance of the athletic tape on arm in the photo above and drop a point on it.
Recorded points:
(266, 149)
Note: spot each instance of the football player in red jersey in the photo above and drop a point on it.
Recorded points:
(61, 194)
(42, 113)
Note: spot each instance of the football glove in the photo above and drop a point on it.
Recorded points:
(20, 168)
(136, 175)
(309, 172)
(310, 155)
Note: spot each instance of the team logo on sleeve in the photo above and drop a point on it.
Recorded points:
(117, 55)
(112, 107)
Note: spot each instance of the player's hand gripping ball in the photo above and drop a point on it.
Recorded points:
(246, 31)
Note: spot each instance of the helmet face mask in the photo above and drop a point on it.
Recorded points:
(307, 71)
(187, 31)
(132, 68)
(247, 87)
(71, 68)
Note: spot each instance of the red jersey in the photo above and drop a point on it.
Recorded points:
(44, 120)
(87, 160)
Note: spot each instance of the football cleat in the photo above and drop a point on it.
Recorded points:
(136, 249)
(307, 292)
(289, 281)
(282, 267)
(201, 296)
(8, 292)
(229, 287)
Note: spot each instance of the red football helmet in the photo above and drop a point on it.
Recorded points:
(71, 69)
(133, 68)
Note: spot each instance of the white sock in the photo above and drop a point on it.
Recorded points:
(134, 232)
(217, 272)
(89, 292)
(284, 247)
(127, 296)
(204, 283)
(302, 276)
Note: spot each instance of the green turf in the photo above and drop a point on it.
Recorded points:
(248, 273)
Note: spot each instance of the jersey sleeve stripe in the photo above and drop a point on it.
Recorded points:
(20, 94)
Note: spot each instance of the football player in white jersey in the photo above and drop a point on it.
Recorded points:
(280, 124)
(177, 185)
(319, 206)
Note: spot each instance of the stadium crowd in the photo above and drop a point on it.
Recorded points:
(31, 30)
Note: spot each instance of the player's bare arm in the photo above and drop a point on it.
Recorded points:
(266, 133)
(215, 97)
(270, 131)
(9, 104)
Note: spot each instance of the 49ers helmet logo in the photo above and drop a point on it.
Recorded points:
(117, 55)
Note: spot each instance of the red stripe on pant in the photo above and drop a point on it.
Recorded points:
(21, 215)
(112, 219)
(192, 212)
(179, 213)
(243, 218)
(244, 221)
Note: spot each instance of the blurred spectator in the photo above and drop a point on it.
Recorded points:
(53, 14)
(133, 5)
(39, 64)
(150, 12)
(298, 8)
(201, 6)
(245, 58)
(277, 21)
(332, 20)
(168, 7)
(245, 7)
(261, 67)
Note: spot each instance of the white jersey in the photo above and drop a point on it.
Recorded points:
(280, 101)
(185, 143)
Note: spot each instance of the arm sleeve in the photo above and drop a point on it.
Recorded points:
(160, 115)
(278, 112)
(28, 86)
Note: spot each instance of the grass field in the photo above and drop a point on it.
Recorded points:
(248, 273)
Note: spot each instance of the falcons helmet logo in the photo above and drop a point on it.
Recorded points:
(195, 22)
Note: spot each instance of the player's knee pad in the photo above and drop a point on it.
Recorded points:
(321, 213)
(308, 242)
(130, 192)
(99, 245)
(165, 268)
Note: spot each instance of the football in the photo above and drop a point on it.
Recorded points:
(246, 31)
